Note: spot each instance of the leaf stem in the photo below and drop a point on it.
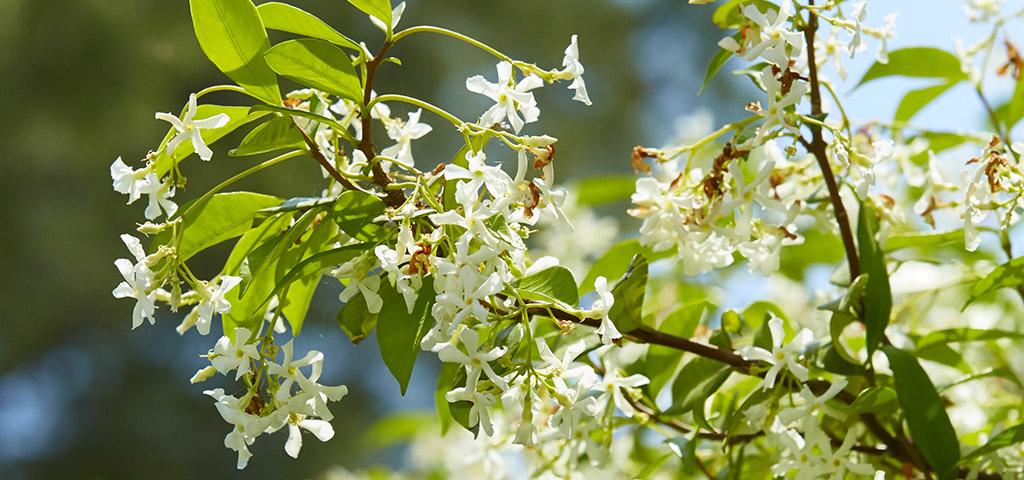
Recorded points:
(444, 31)
(419, 103)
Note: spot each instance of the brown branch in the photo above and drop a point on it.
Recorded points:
(320, 158)
(817, 147)
(393, 198)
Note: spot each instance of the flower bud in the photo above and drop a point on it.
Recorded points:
(203, 374)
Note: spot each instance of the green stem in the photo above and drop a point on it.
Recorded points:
(239, 176)
(226, 88)
(444, 31)
(419, 103)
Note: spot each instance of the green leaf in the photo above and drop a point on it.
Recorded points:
(219, 218)
(291, 205)
(924, 239)
(318, 64)
(721, 56)
(601, 190)
(444, 384)
(917, 62)
(629, 294)
(1007, 275)
(930, 428)
(1013, 111)
(337, 127)
(683, 321)
(286, 18)
(616, 260)
(400, 332)
(355, 319)
(317, 263)
(833, 362)
(276, 134)
(915, 100)
(552, 283)
(378, 8)
(245, 245)
(354, 213)
(946, 355)
(958, 335)
(298, 292)
(874, 400)
(698, 380)
(1008, 437)
(266, 254)
(232, 36)
(730, 14)
(877, 294)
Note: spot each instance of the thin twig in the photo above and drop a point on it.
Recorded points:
(394, 198)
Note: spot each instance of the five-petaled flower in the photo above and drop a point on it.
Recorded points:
(509, 97)
(188, 128)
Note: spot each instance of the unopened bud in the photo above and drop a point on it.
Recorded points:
(203, 374)
(150, 228)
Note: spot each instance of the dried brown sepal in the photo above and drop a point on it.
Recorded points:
(637, 159)
(292, 102)
(256, 404)
(787, 76)
(532, 200)
(712, 183)
(545, 158)
(438, 169)
(420, 261)
(1014, 61)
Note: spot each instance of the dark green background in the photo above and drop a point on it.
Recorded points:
(83, 396)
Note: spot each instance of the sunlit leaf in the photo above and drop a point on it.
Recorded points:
(232, 36)
(318, 64)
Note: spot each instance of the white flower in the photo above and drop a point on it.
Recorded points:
(773, 36)
(774, 111)
(138, 279)
(229, 356)
(188, 128)
(475, 360)
(357, 271)
(982, 10)
(404, 134)
(574, 70)
(289, 370)
(473, 217)
(602, 306)
(159, 196)
(213, 303)
(612, 385)
(481, 402)
(479, 173)
(508, 96)
(812, 403)
(321, 429)
(126, 180)
(247, 426)
(781, 356)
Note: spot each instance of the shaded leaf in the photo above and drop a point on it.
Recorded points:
(221, 217)
(354, 213)
(629, 294)
(616, 260)
(924, 239)
(400, 331)
(721, 56)
(925, 413)
(1007, 275)
(874, 400)
(601, 190)
(276, 134)
(877, 294)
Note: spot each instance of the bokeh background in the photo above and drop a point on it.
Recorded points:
(83, 396)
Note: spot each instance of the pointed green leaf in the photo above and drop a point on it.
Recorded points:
(924, 239)
(399, 332)
(232, 36)
(930, 428)
(917, 62)
(874, 400)
(1007, 275)
(317, 262)
(629, 294)
(721, 56)
(286, 18)
(877, 293)
(1015, 109)
(697, 380)
(552, 283)
(292, 205)
(318, 64)
(1011, 436)
(958, 335)
(444, 384)
(730, 14)
(221, 217)
(354, 213)
(276, 134)
(378, 8)
(915, 100)
(616, 260)
(266, 254)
